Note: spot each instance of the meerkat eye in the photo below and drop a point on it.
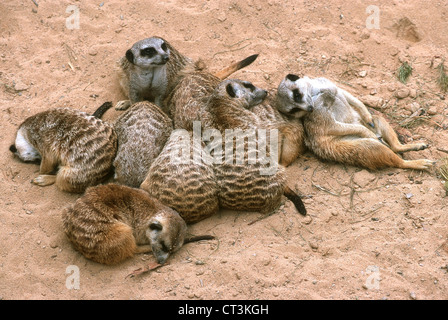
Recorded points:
(149, 52)
(230, 90)
(164, 47)
(249, 86)
(155, 226)
(297, 95)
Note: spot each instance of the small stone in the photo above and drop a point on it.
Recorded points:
(402, 93)
(93, 52)
(199, 262)
(362, 73)
(412, 295)
(314, 245)
(372, 101)
(20, 86)
(432, 111)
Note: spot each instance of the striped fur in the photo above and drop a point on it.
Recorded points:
(142, 132)
(111, 223)
(82, 147)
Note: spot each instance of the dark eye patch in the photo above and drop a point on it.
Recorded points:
(297, 96)
(249, 86)
(164, 247)
(164, 47)
(292, 77)
(148, 52)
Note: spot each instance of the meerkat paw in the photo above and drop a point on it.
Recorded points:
(123, 105)
(422, 164)
(44, 180)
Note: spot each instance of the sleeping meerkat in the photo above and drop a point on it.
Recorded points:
(186, 101)
(339, 129)
(142, 132)
(182, 178)
(150, 67)
(79, 146)
(246, 186)
(111, 223)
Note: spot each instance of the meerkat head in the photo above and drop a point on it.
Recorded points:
(23, 149)
(243, 91)
(166, 232)
(294, 96)
(149, 53)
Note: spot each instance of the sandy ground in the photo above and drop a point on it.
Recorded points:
(369, 235)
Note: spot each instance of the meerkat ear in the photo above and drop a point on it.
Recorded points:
(230, 90)
(156, 225)
(292, 77)
(130, 56)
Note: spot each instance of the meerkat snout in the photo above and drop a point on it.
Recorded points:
(13, 148)
(165, 242)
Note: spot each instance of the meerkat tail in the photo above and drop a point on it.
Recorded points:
(102, 109)
(198, 238)
(295, 198)
(224, 73)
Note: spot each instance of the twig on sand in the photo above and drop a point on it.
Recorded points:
(145, 269)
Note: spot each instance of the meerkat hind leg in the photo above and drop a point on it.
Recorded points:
(388, 134)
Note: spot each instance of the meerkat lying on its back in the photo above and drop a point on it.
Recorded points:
(151, 66)
(342, 130)
(142, 132)
(291, 131)
(80, 146)
(111, 223)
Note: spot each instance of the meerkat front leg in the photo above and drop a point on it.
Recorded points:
(359, 107)
(47, 166)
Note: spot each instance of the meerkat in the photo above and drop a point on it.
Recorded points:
(150, 67)
(337, 131)
(243, 185)
(111, 223)
(80, 147)
(182, 178)
(291, 131)
(142, 132)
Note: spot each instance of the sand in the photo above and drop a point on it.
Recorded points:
(369, 235)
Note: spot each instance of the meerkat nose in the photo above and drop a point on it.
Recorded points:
(13, 148)
(310, 109)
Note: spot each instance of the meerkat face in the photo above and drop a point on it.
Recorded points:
(166, 233)
(23, 149)
(243, 90)
(149, 53)
(294, 96)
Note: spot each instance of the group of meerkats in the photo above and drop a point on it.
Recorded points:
(152, 199)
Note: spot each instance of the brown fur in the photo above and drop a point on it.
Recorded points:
(111, 223)
(81, 146)
(291, 132)
(336, 132)
(190, 186)
(142, 131)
